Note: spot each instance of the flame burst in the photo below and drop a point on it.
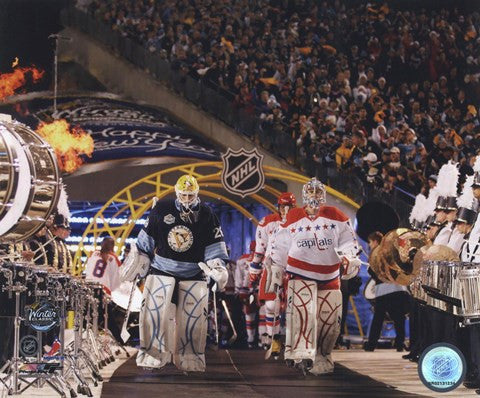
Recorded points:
(68, 142)
(9, 82)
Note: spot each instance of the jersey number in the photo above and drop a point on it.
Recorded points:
(218, 232)
(99, 269)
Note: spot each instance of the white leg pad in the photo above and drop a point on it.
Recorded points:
(329, 315)
(191, 330)
(301, 342)
(156, 322)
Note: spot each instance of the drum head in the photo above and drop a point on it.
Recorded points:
(121, 295)
(31, 193)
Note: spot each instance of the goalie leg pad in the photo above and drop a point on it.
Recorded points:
(191, 330)
(329, 316)
(156, 322)
(301, 320)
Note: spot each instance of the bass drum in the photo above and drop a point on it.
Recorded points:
(369, 291)
(29, 181)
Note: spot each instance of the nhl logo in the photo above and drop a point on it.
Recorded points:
(242, 171)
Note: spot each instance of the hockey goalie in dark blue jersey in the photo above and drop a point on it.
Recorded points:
(179, 248)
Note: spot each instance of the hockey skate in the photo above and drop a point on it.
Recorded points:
(304, 365)
(275, 349)
(322, 365)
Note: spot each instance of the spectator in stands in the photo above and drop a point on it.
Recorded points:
(409, 81)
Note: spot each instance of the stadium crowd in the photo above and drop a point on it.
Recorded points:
(385, 94)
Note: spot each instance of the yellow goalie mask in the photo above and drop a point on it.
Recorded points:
(187, 189)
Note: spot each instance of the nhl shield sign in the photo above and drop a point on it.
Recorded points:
(242, 171)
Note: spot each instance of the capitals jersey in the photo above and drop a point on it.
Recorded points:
(176, 246)
(106, 273)
(242, 278)
(307, 247)
(263, 238)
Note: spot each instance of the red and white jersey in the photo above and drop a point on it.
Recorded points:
(241, 274)
(107, 274)
(230, 285)
(265, 230)
(307, 247)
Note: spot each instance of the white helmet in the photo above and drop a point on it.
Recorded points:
(313, 193)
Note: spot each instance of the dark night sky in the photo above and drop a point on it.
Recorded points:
(24, 29)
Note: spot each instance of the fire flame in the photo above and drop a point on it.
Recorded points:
(9, 82)
(15, 62)
(68, 142)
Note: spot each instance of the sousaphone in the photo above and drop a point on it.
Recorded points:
(393, 260)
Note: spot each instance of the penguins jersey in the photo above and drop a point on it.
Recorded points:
(241, 274)
(307, 247)
(106, 273)
(175, 246)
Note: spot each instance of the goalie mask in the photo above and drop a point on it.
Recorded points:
(313, 193)
(187, 189)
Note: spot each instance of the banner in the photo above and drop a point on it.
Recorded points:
(120, 129)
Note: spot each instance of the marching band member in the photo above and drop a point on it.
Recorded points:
(470, 252)
(446, 209)
(317, 245)
(465, 216)
(181, 243)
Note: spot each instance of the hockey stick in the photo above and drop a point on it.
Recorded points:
(125, 335)
(215, 319)
(232, 339)
(276, 314)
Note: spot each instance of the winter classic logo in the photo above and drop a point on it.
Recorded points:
(442, 367)
(180, 238)
(242, 172)
(43, 316)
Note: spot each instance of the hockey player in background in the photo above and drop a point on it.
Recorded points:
(243, 291)
(271, 282)
(180, 245)
(317, 245)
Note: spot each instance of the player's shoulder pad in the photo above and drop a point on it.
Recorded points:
(295, 214)
(332, 213)
(270, 218)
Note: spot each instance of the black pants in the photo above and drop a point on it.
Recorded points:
(469, 344)
(395, 305)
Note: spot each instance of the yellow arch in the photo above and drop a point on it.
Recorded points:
(135, 199)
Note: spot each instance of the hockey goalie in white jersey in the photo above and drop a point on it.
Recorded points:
(317, 245)
(180, 245)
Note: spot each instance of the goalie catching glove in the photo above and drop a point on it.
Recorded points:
(216, 270)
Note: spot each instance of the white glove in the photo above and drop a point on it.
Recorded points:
(135, 265)
(216, 270)
(351, 267)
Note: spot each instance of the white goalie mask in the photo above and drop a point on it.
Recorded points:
(313, 193)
